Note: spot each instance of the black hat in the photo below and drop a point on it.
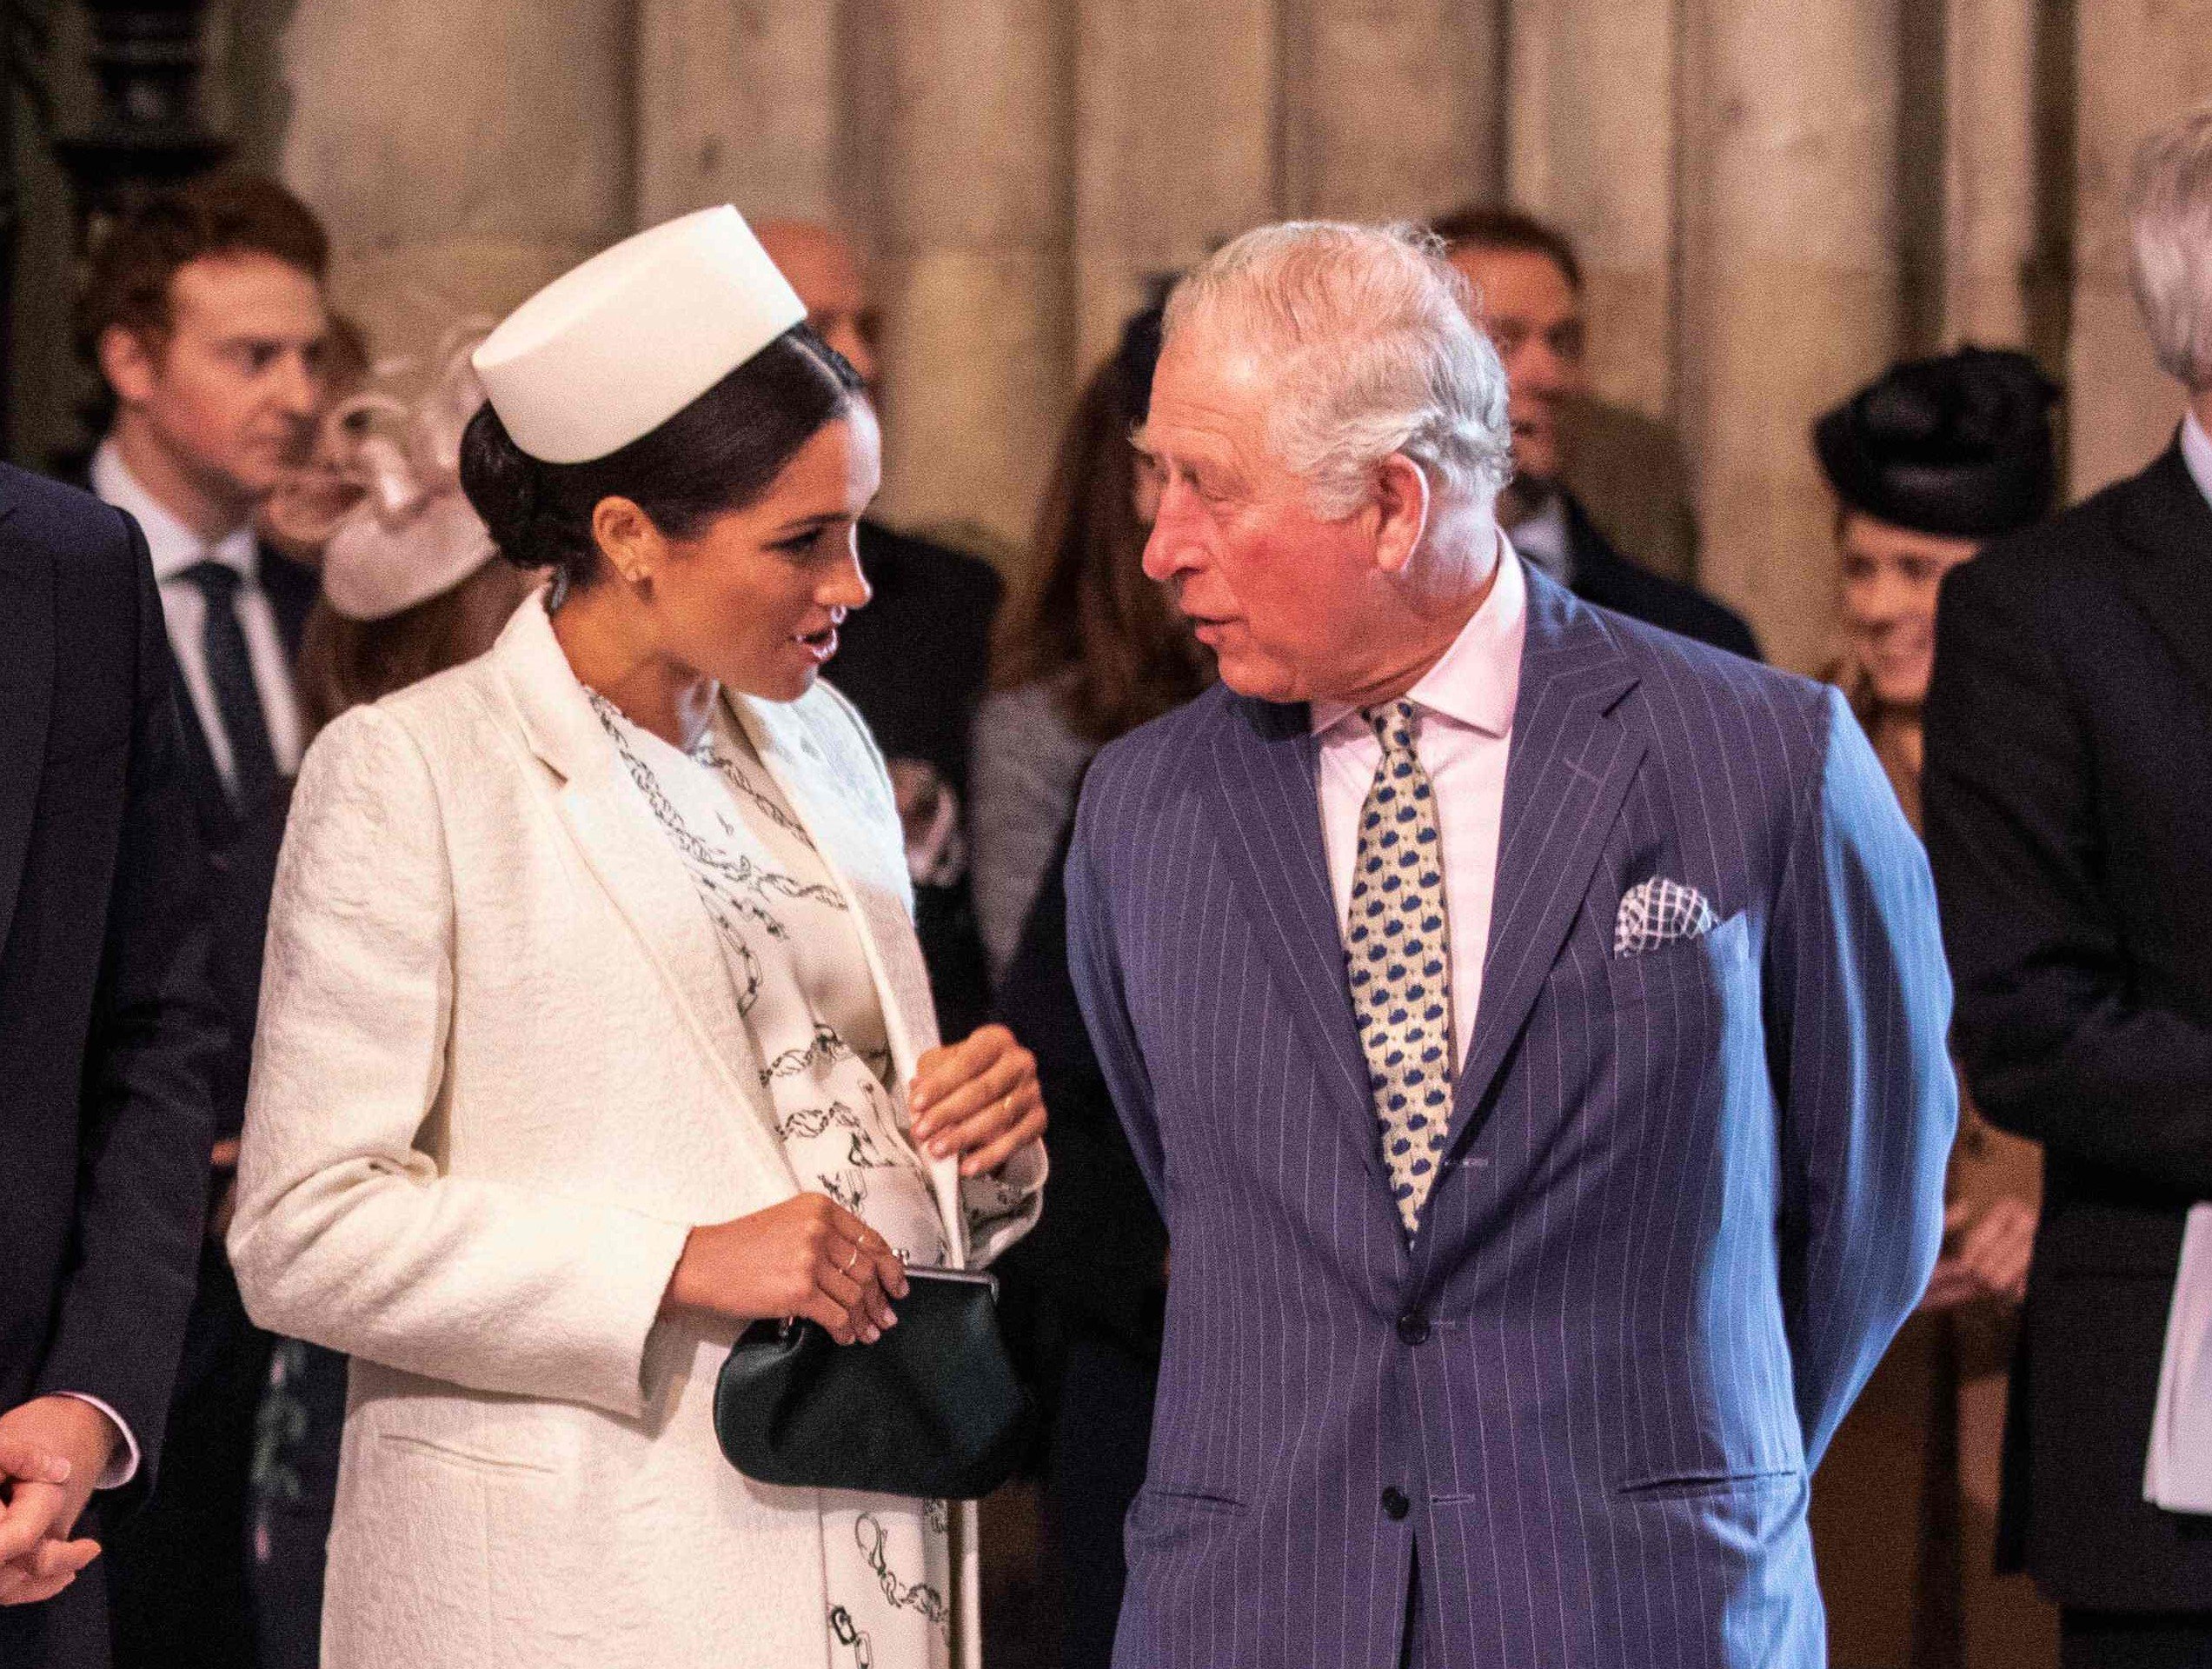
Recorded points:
(1960, 445)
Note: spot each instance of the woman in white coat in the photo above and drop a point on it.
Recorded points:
(595, 1028)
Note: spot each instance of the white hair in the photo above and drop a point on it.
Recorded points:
(2170, 228)
(1367, 329)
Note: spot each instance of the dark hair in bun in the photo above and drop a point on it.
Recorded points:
(719, 453)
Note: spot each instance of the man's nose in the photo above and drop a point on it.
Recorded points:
(1170, 548)
(299, 387)
(1537, 369)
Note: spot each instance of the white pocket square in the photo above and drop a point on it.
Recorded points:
(1659, 912)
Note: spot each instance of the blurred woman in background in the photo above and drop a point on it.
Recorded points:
(1096, 650)
(1929, 463)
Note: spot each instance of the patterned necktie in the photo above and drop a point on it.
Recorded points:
(230, 674)
(1398, 949)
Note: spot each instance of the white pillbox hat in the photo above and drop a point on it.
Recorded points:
(606, 354)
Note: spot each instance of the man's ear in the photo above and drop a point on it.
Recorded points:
(1401, 510)
(130, 364)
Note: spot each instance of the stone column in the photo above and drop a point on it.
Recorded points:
(1789, 282)
(1174, 145)
(737, 101)
(1392, 107)
(974, 268)
(2141, 64)
(462, 155)
(1990, 186)
(1589, 146)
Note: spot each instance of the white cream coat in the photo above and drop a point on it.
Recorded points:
(500, 1074)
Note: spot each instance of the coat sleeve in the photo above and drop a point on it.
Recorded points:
(1094, 963)
(348, 1234)
(2057, 1040)
(1857, 1002)
(143, 1142)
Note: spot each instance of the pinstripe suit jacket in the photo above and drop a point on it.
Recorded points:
(1688, 1196)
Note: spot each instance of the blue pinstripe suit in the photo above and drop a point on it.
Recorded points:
(1687, 1199)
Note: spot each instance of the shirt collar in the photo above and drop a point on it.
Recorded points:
(1477, 680)
(1545, 541)
(2197, 453)
(173, 546)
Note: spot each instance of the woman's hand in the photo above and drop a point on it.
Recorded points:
(1990, 1260)
(807, 1256)
(979, 1099)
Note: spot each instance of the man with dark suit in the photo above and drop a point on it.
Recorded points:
(915, 660)
(1526, 281)
(1531, 1023)
(205, 312)
(106, 1037)
(2068, 797)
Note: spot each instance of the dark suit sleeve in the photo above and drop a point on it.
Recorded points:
(1094, 963)
(1858, 1000)
(2057, 1044)
(142, 1152)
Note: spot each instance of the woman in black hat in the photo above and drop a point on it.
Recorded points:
(1929, 463)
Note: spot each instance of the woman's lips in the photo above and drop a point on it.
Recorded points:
(818, 646)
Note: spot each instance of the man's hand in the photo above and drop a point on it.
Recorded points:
(52, 1451)
(225, 1206)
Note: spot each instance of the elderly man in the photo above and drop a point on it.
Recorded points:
(2068, 737)
(1531, 1023)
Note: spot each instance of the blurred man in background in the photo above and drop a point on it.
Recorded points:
(916, 659)
(1527, 283)
(205, 312)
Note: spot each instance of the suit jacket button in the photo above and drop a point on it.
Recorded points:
(1395, 1506)
(1414, 1328)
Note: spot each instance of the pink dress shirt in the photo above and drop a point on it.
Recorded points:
(1465, 727)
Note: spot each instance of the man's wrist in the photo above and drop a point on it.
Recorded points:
(102, 1452)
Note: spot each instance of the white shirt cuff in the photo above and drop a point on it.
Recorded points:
(122, 1465)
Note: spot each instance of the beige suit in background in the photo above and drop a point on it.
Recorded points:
(500, 1074)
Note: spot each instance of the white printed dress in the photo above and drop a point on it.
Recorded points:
(804, 988)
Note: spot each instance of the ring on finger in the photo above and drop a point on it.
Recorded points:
(846, 1268)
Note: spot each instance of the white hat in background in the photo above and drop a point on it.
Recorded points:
(606, 354)
(412, 535)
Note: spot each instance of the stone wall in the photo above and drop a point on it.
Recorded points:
(1774, 197)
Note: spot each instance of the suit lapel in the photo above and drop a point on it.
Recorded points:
(26, 707)
(1570, 766)
(1263, 785)
(2167, 526)
(633, 860)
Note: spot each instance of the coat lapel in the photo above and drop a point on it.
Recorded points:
(26, 707)
(1569, 767)
(1264, 757)
(2167, 526)
(868, 869)
(631, 858)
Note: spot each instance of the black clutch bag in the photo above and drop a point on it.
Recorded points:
(932, 1410)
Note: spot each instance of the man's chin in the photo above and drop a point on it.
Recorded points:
(1259, 681)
